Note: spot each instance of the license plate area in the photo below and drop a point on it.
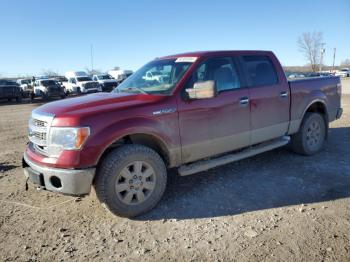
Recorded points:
(35, 177)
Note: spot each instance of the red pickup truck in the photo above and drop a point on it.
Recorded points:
(198, 111)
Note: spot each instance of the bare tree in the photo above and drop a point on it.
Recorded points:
(92, 72)
(310, 44)
(49, 73)
(345, 63)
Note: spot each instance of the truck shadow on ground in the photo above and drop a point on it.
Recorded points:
(4, 166)
(270, 180)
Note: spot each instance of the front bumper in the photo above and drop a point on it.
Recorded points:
(65, 181)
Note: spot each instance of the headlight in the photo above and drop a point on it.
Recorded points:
(66, 138)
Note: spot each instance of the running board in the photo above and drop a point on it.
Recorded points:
(204, 165)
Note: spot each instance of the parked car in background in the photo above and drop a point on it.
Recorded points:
(344, 72)
(106, 82)
(10, 90)
(214, 108)
(156, 76)
(47, 88)
(120, 75)
(61, 79)
(26, 87)
(80, 83)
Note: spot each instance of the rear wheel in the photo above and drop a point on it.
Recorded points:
(131, 180)
(311, 136)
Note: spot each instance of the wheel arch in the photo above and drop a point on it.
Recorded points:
(146, 139)
(318, 106)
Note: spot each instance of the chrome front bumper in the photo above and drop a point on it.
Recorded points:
(65, 181)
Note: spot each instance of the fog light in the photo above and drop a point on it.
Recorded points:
(55, 182)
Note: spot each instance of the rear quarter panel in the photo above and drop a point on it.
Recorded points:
(305, 92)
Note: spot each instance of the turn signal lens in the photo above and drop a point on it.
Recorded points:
(82, 134)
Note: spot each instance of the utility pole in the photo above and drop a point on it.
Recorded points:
(323, 50)
(92, 59)
(334, 51)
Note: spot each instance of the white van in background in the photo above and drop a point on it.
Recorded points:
(80, 82)
(120, 75)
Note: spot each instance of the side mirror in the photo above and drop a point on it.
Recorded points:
(202, 90)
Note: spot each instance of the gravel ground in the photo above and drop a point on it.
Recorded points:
(277, 206)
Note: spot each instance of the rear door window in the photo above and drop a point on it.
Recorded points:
(260, 70)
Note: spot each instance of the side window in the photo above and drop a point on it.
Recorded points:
(221, 70)
(260, 70)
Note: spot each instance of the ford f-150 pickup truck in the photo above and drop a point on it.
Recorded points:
(213, 108)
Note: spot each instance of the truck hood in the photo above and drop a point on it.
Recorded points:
(74, 108)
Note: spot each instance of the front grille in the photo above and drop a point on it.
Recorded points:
(37, 122)
(91, 85)
(109, 86)
(39, 125)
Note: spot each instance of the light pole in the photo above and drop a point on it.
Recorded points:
(334, 51)
(323, 50)
(92, 59)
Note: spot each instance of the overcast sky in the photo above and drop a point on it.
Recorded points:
(57, 35)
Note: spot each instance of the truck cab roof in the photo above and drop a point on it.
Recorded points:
(216, 53)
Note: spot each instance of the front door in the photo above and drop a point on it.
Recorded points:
(217, 125)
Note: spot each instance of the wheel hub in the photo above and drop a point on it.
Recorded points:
(135, 183)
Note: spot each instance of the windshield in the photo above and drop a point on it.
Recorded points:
(48, 82)
(103, 77)
(157, 77)
(84, 78)
(27, 81)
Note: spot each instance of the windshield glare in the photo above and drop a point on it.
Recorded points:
(84, 78)
(157, 77)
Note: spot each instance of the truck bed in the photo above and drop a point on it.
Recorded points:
(303, 92)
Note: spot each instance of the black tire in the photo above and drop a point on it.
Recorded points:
(44, 96)
(19, 99)
(110, 174)
(310, 140)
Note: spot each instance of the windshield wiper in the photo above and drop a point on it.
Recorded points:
(135, 88)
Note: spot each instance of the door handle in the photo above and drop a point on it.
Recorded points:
(284, 94)
(244, 100)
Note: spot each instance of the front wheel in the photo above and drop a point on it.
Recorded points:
(311, 136)
(19, 99)
(131, 180)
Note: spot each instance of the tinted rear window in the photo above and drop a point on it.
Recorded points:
(261, 71)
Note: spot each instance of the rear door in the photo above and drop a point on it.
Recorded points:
(216, 125)
(269, 97)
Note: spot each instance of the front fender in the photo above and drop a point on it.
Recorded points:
(166, 134)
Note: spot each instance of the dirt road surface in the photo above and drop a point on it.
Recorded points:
(277, 206)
